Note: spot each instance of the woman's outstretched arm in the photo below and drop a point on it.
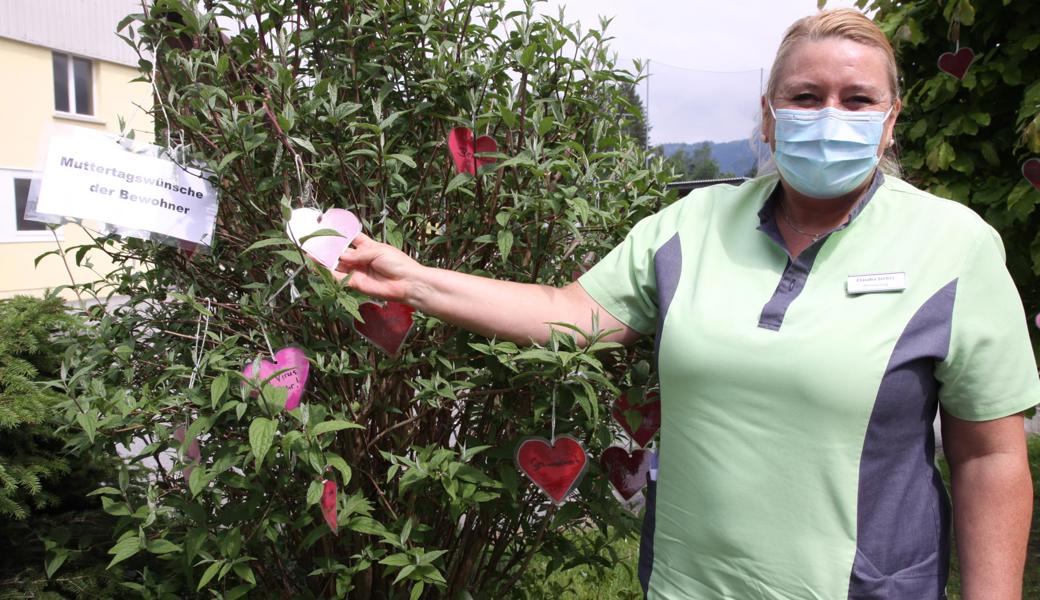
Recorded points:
(518, 312)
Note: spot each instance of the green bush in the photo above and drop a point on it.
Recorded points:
(361, 96)
(45, 517)
(968, 139)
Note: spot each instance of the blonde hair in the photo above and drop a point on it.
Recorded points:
(849, 24)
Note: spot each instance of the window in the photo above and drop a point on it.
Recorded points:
(73, 84)
(15, 187)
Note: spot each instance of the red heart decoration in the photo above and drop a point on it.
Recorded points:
(463, 148)
(386, 325)
(956, 64)
(627, 472)
(649, 410)
(555, 468)
(1031, 171)
(292, 370)
(328, 504)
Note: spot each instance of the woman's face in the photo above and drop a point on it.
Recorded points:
(837, 73)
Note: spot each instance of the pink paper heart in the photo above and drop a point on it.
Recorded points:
(386, 325)
(627, 472)
(324, 248)
(956, 64)
(328, 504)
(1031, 171)
(192, 454)
(463, 148)
(556, 468)
(292, 367)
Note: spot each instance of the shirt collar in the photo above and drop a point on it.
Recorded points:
(767, 215)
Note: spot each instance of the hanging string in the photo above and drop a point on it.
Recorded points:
(552, 426)
(200, 343)
(267, 340)
(292, 276)
(158, 96)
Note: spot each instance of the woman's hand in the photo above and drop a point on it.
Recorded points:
(378, 270)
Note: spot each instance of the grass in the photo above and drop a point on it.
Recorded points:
(620, 582)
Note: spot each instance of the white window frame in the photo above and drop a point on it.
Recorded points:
(71, 79)
(9, 232)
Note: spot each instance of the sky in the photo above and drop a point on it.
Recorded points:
(708, 59)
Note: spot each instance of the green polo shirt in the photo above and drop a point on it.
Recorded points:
(797, 451)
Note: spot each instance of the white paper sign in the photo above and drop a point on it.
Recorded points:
(91, 175)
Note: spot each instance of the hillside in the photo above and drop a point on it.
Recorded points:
(737, 157)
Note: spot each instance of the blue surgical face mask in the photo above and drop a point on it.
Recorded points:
(827, 153)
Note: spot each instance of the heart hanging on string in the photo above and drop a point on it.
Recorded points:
(956, 63)
(192, 454)
(1031, 171)
(627, 472)
(556, 468)
(328, 504)
(386, 325)
(640, 421)
(288, 370)
(325, 249)
(464, 148)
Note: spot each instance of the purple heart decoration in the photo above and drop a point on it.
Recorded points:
(325, 249)
(956, 63)
(288, 370)
(192, 454)
(627, 472)
(1031, 171)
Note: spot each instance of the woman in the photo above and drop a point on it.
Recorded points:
(809, 324)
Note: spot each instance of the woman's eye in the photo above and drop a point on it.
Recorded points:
(803, 98)
(860, 101)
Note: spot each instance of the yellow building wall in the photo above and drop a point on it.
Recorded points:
(27, 115)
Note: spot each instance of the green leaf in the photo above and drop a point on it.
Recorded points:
(245, 572)
(124, 549)
(60, 555)
(314, 492)
(505, 243)
(209, 574)
(261, 436)
(162, 546)
(337, 425)
(304, 144)
(197, 480)
(264, 243)
(336, 461)
(457, 182)
(398, 560)
(403, 158)
(217, 389)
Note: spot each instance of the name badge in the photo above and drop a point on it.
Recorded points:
(875, 282)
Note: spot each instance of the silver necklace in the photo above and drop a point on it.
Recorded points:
(815, 237)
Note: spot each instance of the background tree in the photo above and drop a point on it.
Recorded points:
(967, 139)
(637, 127)
(698, 165)
(43, 488)
(327, 103)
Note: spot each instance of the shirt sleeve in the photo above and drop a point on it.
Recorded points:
(624, 282)
(990, 371)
